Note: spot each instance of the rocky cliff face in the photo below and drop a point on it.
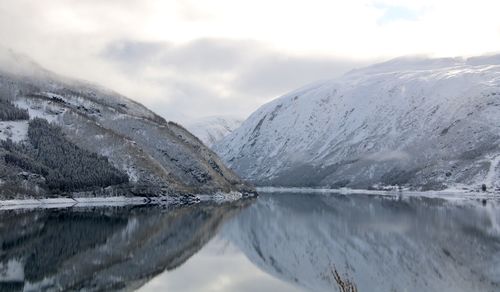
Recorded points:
(421, 123)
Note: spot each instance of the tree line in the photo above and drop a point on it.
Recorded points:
(10, 112)
(65, 166)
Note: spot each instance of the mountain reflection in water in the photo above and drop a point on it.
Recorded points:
(382, 243)
(280, 242)
(101, 248)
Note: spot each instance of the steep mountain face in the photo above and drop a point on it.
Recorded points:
(210, 130)
(380, 243)
(158, 157)
(105, 249)
(421, 123)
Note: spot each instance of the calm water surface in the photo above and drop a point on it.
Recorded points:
(279, 242)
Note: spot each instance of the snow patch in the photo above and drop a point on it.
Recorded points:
(492, 175)
(12, 271)
(40, 109)
(56, 203)
(132, 173)
(221, 197)
(14, 130)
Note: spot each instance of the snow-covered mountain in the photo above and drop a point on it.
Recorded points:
(152, 152)
(210, 130)
(423, 123)
(380, 243)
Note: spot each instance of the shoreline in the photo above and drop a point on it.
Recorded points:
(444, 194)
(117, 201)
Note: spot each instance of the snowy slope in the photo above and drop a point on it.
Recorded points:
(153, 152)
(381, 243)
(425, 123)
(212, 129)
(14, 130)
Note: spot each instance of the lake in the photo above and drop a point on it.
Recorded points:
(277, 242)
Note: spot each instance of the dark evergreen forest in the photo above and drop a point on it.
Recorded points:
(65, 166)
(9, 112)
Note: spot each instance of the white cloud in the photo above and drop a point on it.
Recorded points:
(320, 38)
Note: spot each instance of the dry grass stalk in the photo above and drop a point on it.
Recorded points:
(345, 285)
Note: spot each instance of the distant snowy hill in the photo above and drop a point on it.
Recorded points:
(417, 122)
(212, 129)
(157, 156)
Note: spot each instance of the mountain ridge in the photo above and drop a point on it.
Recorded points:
(159, 157)
(432, 126)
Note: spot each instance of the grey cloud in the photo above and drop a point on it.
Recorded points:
(277, 74)
(257, 73)
(213, 55)
(179, 81)
(133, 52)
(199, 55)
(191, 100)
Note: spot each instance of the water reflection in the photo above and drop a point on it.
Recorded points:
(381, 243)
(218, 267)
(101, 249)
(281, 242)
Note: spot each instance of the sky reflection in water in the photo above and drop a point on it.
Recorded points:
(280, 242)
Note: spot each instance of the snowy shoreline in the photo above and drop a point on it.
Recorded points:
(447, 193)
(117, 201)
(54, 203)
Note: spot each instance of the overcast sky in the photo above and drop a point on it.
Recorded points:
(187, 59)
